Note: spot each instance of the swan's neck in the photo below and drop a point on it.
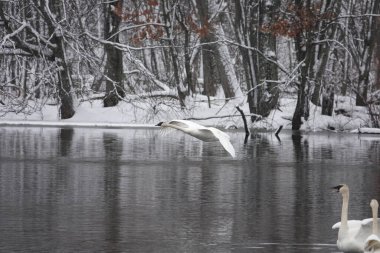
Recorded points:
(375, 223)
(344, 215)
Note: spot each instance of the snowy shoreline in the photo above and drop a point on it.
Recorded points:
(143, 115)
(39, 123)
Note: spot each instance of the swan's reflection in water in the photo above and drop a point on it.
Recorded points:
(129, 190)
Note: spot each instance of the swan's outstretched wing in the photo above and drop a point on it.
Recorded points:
(224, 139)
(179, 123)
(365, 229)
(186, 124)
(369, 222)
(336, 226)
(165, 130)
(351, 224)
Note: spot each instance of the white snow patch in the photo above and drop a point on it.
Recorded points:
(147, 113)
(366, 130)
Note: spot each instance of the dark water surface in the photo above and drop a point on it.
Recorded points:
(134, 190)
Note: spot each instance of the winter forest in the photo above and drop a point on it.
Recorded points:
(166, 51)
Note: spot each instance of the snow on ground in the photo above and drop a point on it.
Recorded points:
(316, 121)
(146, 113)
(366, 130)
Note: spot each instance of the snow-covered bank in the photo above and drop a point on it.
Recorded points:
(221, 114)
(366, 130)
(40, 123)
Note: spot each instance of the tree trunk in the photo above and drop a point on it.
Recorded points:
(179, 84)
(374, 108)
(65, 85)
(347, 60)
(65, 91)
(210, 77)
(227, 73)
(367, 56)
(224, 66)
(328, 102)
(244, 30)
(114, 63)
(301, 109)
(181, 18)
(304, 52)
(377, 55)
(268, 72)
(362, 90)
(208, 62)
(324, 55)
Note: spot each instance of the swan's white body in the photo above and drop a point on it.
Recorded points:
(207, 134)
(372, 244)
(352, 234)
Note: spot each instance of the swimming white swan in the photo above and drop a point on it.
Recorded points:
(372, 244)
(352, 233)
(207, 134)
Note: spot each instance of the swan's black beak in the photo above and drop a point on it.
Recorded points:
(159, 124)
(337, 188)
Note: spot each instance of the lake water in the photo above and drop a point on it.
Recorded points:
(134, 190)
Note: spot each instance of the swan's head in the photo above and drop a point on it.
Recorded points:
(342, 188)
(159, 124)
(374, 203)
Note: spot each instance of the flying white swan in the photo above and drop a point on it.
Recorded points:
(352, 233)
(207, 134)
(372, 244)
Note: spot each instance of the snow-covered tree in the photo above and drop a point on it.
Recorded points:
(39, 29)
(361, 44)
